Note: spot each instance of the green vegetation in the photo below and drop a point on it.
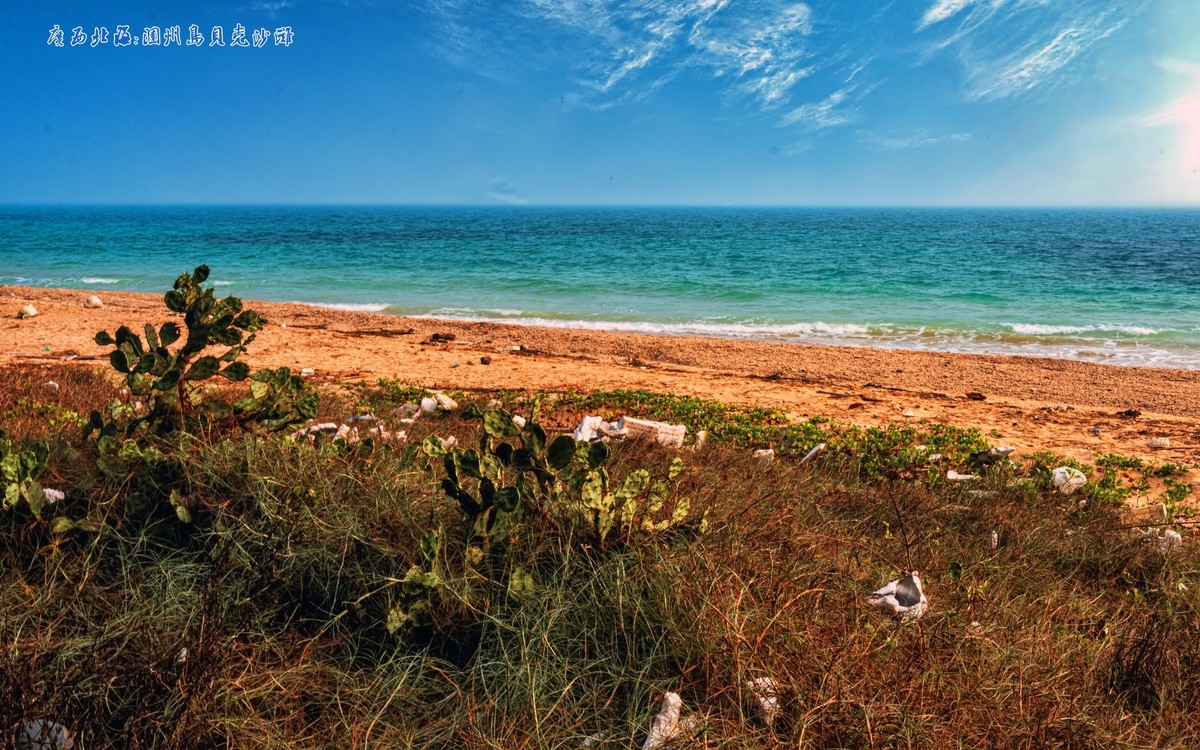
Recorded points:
(208, 581)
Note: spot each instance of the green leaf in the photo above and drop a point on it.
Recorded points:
(533, 439)
(561, 452)
(176, 300)
(676, 468)
(635, 483)
(520, 584)
(499, 424)
(181, 511)
(169, 380)
(487, 492)
(468, 461)
(236, 371)
(200, 275)
(681, 511)
(258, 389)
(432, 446)
(152, 341)
(168, 333)
(104, 338)
(203, 368)
(507, 499)
(598, 453)
(592, 491)
(120, 361)
(431, 545)
(61, 525)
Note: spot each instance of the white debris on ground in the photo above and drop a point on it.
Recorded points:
(449, 442)
(429, 405)
(1067, 479)
(93, 303)
(40, 734)
(764, 454)
(1167, 540)
(670, 435)
(28, 311)
(954, 476)
(903, 598)
(669, 726)
(765, 693)
(519, 421)
(495, 404)
(350, 432)
(444, 401)
(181, 657)
(595, 428)
(995, 540)
(51, 386)
(50, 497)
(1159, 442)
(816, 451)
(701, 439)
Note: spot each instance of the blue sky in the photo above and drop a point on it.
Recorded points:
(710, 102)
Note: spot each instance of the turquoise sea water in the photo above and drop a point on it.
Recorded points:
(1118, 286)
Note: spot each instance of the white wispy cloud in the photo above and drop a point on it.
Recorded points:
(1033, 68)
(919, 139)
(1011, 47)
(944, 9)
(631, 47)
(827, 113)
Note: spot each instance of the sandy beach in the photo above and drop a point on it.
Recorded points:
(1073, 408)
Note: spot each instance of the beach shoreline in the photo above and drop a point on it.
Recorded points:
(1033, 403)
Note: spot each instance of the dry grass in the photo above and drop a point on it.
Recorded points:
(1069, 633)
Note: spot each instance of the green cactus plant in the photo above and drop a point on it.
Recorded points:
(518, 469)
(170, 379)
(20, 471)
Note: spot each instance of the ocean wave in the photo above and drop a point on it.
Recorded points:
(1060, 342)
(99, 280)
(351, 306)
(459, 312)
(222, 283)
(694, 328)
(1033, 329)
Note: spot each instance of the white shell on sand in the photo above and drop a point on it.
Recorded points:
(28, 311)
(765, 692)
(903, 598)
(39, 734)
(1068, 479)
(93, 302)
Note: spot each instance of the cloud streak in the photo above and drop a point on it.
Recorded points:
(1009, 48)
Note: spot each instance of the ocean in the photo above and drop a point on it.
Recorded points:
(1114, 286)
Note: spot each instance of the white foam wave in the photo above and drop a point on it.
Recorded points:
(221, 283)
(99, 280)
(729, 330)
(351, 306)
(1033, 329)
